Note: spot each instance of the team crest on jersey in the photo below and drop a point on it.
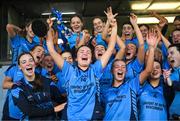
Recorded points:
(154, 95)
(84, 77)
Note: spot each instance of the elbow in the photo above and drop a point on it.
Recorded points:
(8, 27)
(4, 86)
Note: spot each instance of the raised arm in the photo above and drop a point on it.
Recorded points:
(12, 30)
(120, 53)
(110, 16)
(152, 42)
(106, 56)
(141, 52)
(162, 20)
(49, 41)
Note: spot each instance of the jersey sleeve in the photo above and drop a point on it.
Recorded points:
(175, 76)
(98, 69)
(10, 71)
(66, 72)
(137, 66)
(135, 84)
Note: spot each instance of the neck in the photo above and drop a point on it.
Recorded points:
(117, 83)
(154, 82)
(128, 60)
(30, 39)
(83, 67)
(30, 78)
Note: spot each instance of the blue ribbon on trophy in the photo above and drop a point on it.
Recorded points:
(58, 24)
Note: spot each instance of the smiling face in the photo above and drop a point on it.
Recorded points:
(144, 30)
(48, 63)
(99, 51)
(98, 25)
(130, 51)
(174, 57)
(156, 72)
(84, 57)
(127, 31)
(76, 24)
(119, 70)
(177, 24)
(68, 57)
(27, 65)
(176, 37)
(38, 54)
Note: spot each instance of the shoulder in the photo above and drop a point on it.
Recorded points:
(43, 79)
(12, 67)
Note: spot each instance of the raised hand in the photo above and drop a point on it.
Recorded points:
(50, 22)
(166, 73)
(86, 35)
(162, 19)
(133, 18)
(109, 14)
(152, 38)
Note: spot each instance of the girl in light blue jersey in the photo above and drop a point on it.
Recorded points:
(21, 42)
(82, 81)
(121, 99)
(152, 96)
(29, 98)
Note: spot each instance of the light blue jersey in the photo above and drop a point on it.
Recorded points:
(15, 44)
(121, 102)
(152, 104)
(134, 67)
(133, 41)
(106, 80)
(26, 46)
(72, 39)
(175, 106)
(81, 87)
(100, 41)
(14, 73)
